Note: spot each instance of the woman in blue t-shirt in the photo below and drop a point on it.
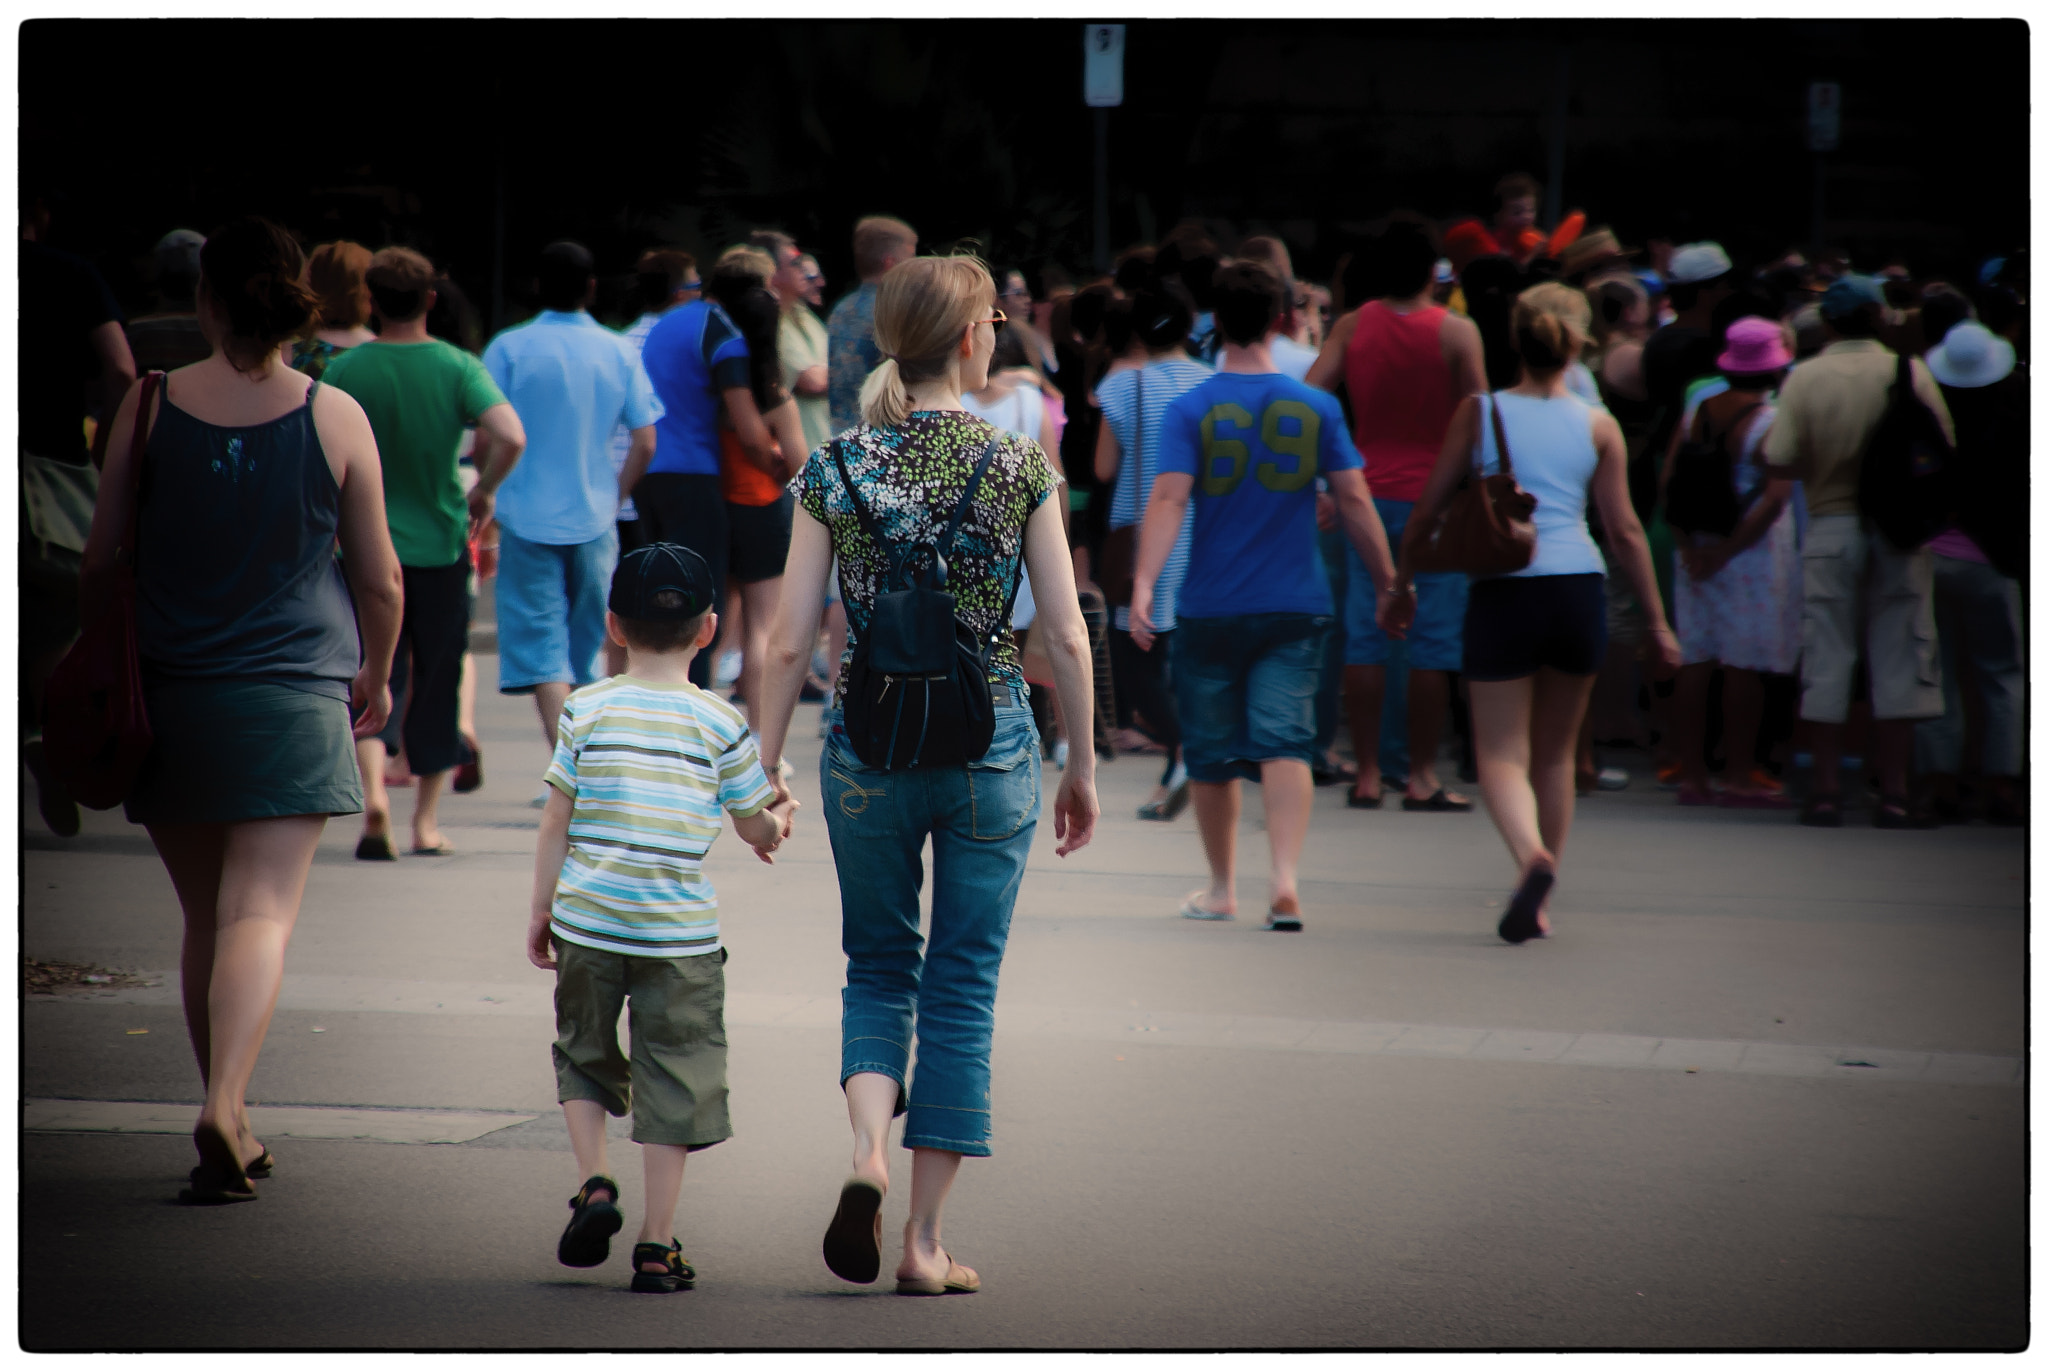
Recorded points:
(1534, 638)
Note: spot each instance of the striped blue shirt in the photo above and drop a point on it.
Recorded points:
(1162, 382)
(651, 769)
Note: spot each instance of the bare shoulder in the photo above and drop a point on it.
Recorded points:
(1459, 327)
(337, 410)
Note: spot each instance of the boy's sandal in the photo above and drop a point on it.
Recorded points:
(587, 1241)
(1822, 811)
(220, 1177)
(958, 1280)
(853, 1240)
(679, 1275)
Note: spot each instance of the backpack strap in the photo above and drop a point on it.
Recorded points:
(945, 543)
(860, 511)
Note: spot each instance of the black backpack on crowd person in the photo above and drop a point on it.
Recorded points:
(1700, 497)
(1907, 486)
(917, 692)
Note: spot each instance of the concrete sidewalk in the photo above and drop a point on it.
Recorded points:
(1762, 1089)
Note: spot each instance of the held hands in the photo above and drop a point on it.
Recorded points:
(540, 949)
(1701, 563)
(1075, 808)
(783, 815)
(369, 702)
(1395, 610)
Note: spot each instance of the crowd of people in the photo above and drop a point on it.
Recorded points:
(1771, 521)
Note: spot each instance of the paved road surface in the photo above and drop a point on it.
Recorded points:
(1761, 1090)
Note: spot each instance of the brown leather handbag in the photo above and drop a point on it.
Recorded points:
(96, 726)
(1488, 526)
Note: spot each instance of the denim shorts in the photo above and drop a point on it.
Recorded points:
(1246, 687)
(551, 599)
(1436, 640)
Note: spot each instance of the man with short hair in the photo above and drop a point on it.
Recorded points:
(571, 380)
(420, 394)
(1514, 216)
(1829, 409)
(1290, 357)
(1701, 277)
(879, 243)
(802, 345)
(1247, 446)
(169, 336)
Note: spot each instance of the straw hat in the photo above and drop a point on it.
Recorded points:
(1594, 249)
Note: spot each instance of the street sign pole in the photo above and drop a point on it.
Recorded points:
(1823, 136)
(1102, 87)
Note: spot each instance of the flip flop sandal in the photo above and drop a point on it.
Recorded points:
(1284, 920)
(587, 1241)
(958, 1280)
(1439, 803)
(440, 849)
(1357, 801)
(1519, 924)
(258, 1170)
(1822, 811)
(1177, 800)
(680, 1275)
(1326, 776)
(375, 849)
(219, 1178)
(1193, 908)
(853, 1241)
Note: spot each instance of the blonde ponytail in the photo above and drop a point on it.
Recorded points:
(923, 308)
(1549, 325)
(884, 402)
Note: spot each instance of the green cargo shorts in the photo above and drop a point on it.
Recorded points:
(674, 1083)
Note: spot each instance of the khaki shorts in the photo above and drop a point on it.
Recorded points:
(674, 1083)
(1854, 577)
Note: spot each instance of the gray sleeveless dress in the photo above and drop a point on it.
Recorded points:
(246, 628)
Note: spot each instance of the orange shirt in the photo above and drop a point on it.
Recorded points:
(740, 480)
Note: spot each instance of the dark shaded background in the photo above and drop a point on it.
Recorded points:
(628, 133)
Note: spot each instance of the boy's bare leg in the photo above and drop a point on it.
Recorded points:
(664, 1172)
(586, 1138)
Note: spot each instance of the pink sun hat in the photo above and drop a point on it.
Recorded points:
(1755, 346)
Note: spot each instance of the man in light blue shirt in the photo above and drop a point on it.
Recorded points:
(571, 381)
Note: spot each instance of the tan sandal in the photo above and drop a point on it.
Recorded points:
(958, 1280)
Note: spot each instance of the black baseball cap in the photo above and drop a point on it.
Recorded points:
(645, 572)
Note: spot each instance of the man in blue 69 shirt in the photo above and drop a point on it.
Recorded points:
(1246, 447)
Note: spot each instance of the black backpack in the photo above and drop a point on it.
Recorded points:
(1907, 486)
(1700, 497)
(917, 692)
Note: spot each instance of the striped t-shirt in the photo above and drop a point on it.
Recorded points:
(648, 767)
(1160, 383)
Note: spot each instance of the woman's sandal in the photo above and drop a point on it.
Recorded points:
(375, 848)
(220, 1177)
(258, 1170)
(853, 1240)
(1354, 800)
(1439, 803)
(958, 1280)
(1518, 925)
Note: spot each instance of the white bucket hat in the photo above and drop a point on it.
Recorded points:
(1970, 356)
(1698, 262)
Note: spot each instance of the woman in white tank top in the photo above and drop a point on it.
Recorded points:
(1534, 638)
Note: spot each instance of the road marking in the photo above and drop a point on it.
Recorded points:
(535, 998)
(269, 1121)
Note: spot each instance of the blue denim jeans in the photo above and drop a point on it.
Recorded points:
(980, 819)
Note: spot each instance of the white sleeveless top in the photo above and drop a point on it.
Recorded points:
(1550, 442)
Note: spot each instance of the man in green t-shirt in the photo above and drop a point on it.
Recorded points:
(420, 394)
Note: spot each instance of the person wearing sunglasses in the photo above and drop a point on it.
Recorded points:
(891, 485)
(801, 342)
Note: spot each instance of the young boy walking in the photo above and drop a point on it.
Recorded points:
(622, 914)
